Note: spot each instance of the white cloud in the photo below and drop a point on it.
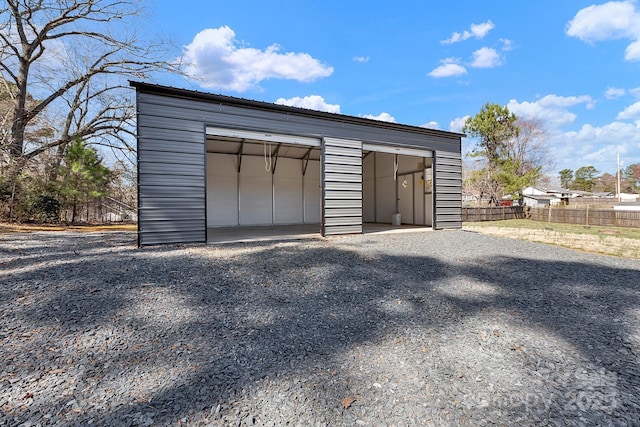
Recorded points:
(551, 110)
(590, 145)
(216, 60)
(632, 52)
(632, 112)
(608, 21)
(635, 92)
(383, 117)
(457, 124)
(449, 68)
(614, 92)
(311, 102)
(361, 58)
(431, 125)
(595, 145)
(476, 30)
(485, 57)
(507, 45)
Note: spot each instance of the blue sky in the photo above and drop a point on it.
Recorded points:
(573, 65)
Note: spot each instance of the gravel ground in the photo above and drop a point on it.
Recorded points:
(440, 328)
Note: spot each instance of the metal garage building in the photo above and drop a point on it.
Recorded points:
(207, 162)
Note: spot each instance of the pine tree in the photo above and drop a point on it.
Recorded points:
(82, 177)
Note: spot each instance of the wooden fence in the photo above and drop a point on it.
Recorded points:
(493, 213)
(594, 217)
(600, 203)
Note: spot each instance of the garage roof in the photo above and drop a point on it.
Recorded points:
(260, 105)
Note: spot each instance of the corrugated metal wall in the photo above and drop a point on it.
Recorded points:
(171, 156)
(171, 178)
(341, 186)
(175, 111)
(448, 190)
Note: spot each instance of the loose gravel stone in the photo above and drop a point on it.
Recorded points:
(441, 328)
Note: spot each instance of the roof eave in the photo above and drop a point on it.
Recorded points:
(225, 99)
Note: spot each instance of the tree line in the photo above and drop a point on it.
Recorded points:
(513, 154)
(588, 178)
(64, 66)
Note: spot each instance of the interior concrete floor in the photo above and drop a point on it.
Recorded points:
(219, 235)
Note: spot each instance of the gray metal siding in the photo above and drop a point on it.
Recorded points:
(341, 186)
(448, 190)
(182, 111)
(171, 178)
(172, 170)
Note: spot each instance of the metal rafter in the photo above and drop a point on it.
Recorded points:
(306, 161)
(239, 154)
(274, 155)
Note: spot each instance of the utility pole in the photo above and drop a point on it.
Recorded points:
(619, 192)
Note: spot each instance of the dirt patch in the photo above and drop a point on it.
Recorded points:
(608, 244)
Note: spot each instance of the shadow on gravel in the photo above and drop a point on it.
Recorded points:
(587, 305)
(170, 333)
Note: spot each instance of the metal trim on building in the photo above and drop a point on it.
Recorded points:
(397, 150)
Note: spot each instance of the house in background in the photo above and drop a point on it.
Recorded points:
(552, 196)
(627, 206)
(470, 198)
(603, 194)
(539, 201)
(628, 197)
(537, 197)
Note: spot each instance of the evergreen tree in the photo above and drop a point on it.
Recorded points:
(585, 178)
(566, 176)
(82, 177)
(494, 126)
(632, 178)
(514, 180)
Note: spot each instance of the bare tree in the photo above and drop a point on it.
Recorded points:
(73, 59)
(64, 65)
(514, 149)
(528, 149)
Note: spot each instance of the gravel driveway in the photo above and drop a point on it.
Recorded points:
(439, 328)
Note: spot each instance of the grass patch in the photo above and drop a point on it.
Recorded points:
(616, 241)
(29, 228)
(527, 224)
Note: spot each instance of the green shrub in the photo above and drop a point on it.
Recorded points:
(45, 208)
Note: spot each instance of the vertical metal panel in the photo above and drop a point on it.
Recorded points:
(312, 193)
(447, 193)
(138, 142)
(171, 180)
(368, 188)
(404, 186)
(256, 192)
(385, 187)
(341, 186)
(222, 190)
(288, 192)
(418, 199)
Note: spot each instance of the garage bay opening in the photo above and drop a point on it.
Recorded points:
(397, 187)
(261, 185)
